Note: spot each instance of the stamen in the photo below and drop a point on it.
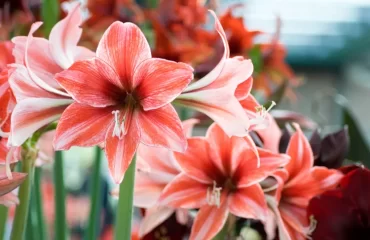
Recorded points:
(117, 131)
(259, 122)
(261, 110)
(312, 227)
(214, 195)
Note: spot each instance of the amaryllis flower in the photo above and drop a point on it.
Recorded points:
(123, 98)
(214, 94)
(40, 99)
(156, 168)
(297, 184)
(343, 213)
(221, 175)
(329, 151)
(7, 100)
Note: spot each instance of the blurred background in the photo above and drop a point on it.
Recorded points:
(328, 44)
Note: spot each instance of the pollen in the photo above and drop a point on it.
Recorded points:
(214, 195)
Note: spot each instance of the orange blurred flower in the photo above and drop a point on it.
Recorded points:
(240, 39)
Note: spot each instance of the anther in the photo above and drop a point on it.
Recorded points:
(214, 195)
(117, 131)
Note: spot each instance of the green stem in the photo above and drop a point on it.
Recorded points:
(38, 205)
(60, 207)
(3, 220)
(31, 228)
(21, 212)
(125, 204)
(95, 198)
(184, 113)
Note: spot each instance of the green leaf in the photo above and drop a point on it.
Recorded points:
(49, 15)
(255, 54)
(359, 147)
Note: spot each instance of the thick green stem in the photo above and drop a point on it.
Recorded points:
(3, 220)
(95, 198)
(125, 204)
(60, 207)
(38, 205)
(21, 212)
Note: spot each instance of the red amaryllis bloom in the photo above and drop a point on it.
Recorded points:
(214, 94)
(240, 38)
(297, 184)
(343, 213)
(274, 70)
(7, 100)
(156, 168)
(40, 99)
(123, 98)
(221, 175)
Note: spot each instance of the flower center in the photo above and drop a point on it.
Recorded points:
(259, 122)
(214, 195)
(262, 111)
(122, 122)
(229, 185)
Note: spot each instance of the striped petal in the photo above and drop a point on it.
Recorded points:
(82, 125)
(31, 114)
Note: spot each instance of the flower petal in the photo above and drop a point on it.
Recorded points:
(225, 151)
(23, 87)
(212, 76)
(31, 114)
(196, 162)
(8, 200)
(146, 191)
(294, 217)
(222, 107)
(162, 122)
(35, 55)
(188, 126)
(249, 202)
(92, 82)
(82, 125)
(120, 152)
(184, 192)
(153, 218)
(7, 185)
(209, 221)
(158, 163)
(159, 82)
(243, 90)
(300, 151)
(64, 37)
(124, 47)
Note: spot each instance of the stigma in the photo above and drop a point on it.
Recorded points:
(214, 195)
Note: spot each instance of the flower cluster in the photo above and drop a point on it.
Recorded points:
(123, 97)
